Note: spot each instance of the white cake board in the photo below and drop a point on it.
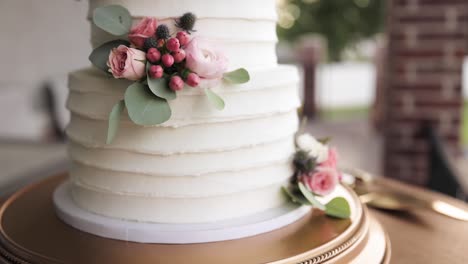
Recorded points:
(145, 232)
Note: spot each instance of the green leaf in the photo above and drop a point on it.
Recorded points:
(114, 19)
(215, 100)
(159, 87)
(324, 141)
(296, 198)
(310, 197)
(100, 55)
(240, 75)
(338, 207)
(144, 108)
(114, 120)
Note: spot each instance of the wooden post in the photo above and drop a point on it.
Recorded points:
(309, 53)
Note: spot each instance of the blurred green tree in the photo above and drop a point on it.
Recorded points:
(341, 22)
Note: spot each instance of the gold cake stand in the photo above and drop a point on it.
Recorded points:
(30, 232)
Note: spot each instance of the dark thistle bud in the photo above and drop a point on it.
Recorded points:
(302, 162)
(150, 43)
(187, 22)
(162, 32)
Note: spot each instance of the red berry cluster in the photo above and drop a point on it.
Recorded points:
(168, 61)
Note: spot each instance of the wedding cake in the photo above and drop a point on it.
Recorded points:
(192, 121)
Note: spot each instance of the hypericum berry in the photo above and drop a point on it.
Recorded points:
(153, 55)
(179, 55)
(187, 22)
(156, 71)
(150, 43)
(183, 38)
(176, 83)
(193, 79)
(162, 32)
(167, 60)
(173, 44)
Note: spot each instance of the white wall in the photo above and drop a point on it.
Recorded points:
(345, 84)
(40, 40)
(349, 84)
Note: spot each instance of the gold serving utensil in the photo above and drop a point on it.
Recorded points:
(399, 202)
(367, 188)
(389, 201)
(449, 210)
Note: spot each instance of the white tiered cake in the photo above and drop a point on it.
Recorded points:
(202, 165)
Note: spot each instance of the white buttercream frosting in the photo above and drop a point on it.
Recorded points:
(191, 164)
(270, 91)
(247, 35)
(202, 165)
(178, 210)
(205, 137)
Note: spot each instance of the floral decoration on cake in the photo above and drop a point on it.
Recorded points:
(316, 174)
(159, 63)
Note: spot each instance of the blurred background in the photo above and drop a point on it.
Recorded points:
(386, 79)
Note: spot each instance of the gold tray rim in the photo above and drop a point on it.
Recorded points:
(17, 254)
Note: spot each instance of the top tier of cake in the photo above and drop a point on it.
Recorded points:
(244, 28)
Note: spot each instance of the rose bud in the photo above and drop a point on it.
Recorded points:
(183, 38)
(127, 63)
(155, 71)
(193, 80)
(179, 55)
(176, 83)
(173, 44)
(141, 31)
(153, 55)
(167, 60)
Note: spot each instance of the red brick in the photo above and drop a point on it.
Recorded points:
(431, 2)
(432, 36)
(419, 67)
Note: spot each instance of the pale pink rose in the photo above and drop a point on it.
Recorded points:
(206, 60)
(332, 159)
(128, 63)
(322, 181)
(143, 30)
(332, 162)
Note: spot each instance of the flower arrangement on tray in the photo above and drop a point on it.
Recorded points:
(159, 62)
(316, 174)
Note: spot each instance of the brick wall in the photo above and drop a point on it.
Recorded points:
(427, 40)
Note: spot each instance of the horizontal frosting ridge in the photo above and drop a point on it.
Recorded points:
(194, 163)
(219, 184)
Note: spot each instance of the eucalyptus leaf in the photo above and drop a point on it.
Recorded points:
(100, 55)
(215, 99)
(114, 19)
(338, 207)
(296, 198)
(144, 108)
(240, 75)
(310, 197)
(160, 87)
(114, 120)
(325, 140)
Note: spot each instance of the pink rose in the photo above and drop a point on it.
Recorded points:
(143, 30)
(322, 181)
(332, 162)
(128, 63)
(205, 60)
(332, 159)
